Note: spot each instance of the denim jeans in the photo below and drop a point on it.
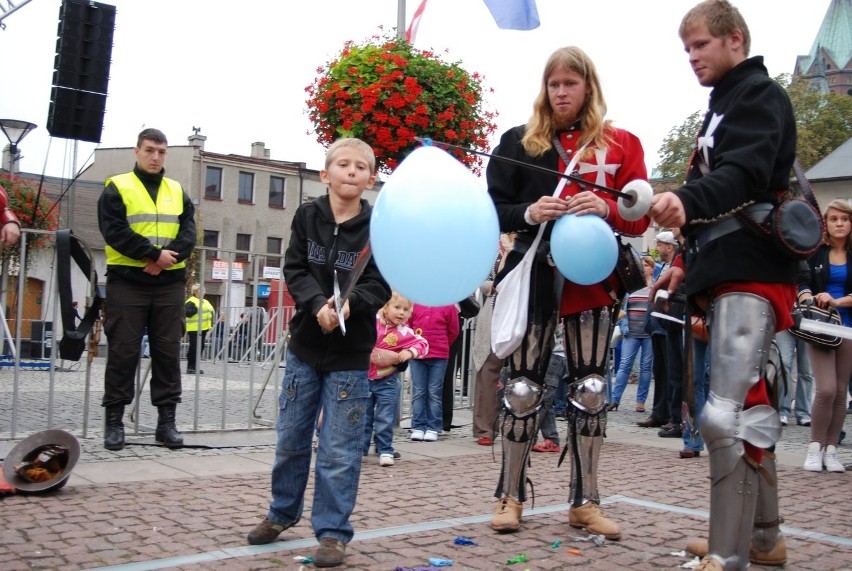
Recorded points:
(381, 413)
(701, 370)
(427, 388)
(787, 343)
(630, 346)
(557, 368)
(343, 397)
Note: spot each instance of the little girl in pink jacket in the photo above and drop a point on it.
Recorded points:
(396, 343)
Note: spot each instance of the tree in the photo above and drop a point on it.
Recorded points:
(677, 148)
(823, 120)
(823, 123)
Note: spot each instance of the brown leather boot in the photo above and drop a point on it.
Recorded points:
(590, 516)
(775, 557)
(710, 564)
(507, 517)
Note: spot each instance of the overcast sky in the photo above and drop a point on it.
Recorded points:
(238, 69)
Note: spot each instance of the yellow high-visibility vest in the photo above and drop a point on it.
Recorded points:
(206, 315)
(159, 222)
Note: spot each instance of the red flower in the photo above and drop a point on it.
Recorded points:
(386, 92)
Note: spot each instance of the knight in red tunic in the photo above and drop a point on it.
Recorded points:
(567, 132)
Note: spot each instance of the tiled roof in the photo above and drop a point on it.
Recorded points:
(838, 164)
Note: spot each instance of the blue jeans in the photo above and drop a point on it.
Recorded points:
(343, 397)
(557, 368)
(630, 346)
(427, 389)
(787, 343)
(381, 413)
(701, 382)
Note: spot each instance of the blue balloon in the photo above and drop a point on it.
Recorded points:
(434, 229)
(584, 248)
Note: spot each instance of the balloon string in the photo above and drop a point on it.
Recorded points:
(427, 142)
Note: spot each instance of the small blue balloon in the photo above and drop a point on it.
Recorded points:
(583, 248)
(434, 229)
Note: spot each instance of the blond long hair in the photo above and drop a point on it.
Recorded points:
(540, 128)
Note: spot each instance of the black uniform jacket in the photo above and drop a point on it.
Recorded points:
(749, 136)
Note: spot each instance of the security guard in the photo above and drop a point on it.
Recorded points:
(194, 306)
(148, 224)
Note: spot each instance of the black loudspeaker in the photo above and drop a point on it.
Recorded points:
(81, 70)
(76, 114)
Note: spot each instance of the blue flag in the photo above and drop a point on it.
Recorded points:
(514, 14)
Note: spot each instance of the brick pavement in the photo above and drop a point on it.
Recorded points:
(151, 508)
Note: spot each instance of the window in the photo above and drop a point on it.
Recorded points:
(277, 185)
(273, 246)
(245, 193)
(211, 239)
(243, 243)
(213, 183)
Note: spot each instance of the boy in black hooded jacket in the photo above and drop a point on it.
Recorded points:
(326, 371)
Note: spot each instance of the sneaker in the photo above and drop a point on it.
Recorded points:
(430, 436)
(832, 464)
(803, 421)
(673, 432)
(547, 445)
(330, 552)
(417, 435)
(386, 460)
(813, 462)
(266, 532)
(784, 420)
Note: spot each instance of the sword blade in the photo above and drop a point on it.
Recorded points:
(667, 317)
(825, 328)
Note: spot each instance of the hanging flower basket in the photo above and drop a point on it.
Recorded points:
(386, 92)
(31, 214)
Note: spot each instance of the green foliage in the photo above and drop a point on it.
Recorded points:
(823, 120)
(677, 147)
(823, 123)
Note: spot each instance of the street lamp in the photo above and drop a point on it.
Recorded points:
(15, 131)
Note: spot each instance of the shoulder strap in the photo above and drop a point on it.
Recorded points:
(69, 246)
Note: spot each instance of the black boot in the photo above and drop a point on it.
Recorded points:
(167, 432)
(114, 432)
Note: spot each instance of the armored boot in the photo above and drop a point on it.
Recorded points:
(114, 431)
(586, 429)
(740, 338)
(522, 401)
(767, 544)
(167, 432)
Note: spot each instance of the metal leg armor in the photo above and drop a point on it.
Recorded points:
(587, 336)
(741, 330)
(522, 401)
(524, 392)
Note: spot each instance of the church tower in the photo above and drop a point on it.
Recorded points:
(829, 63)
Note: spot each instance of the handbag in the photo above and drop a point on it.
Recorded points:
(511, 302)
(628, 268)
(809, 310)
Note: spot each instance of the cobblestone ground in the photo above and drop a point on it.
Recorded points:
(405, 514)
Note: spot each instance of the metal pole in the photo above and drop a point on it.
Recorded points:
(400, 19)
